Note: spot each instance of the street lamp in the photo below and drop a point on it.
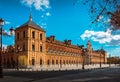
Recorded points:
(18, 50)
(100, 51)
(1, 28)
(12, 30)
(1, 34)
(109, 60)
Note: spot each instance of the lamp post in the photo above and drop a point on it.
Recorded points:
(1, 34)
(18, 50)
(100, 51)
(1, 28)
(109, 60)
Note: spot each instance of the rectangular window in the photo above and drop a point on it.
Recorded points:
(33, 61)
(33, 47)
(56, 61)
(40, 48)
(33, 34)
(53, 62)
(18, 36)
(48, 62)
(40, 36)
(23, 34)
(23, 47)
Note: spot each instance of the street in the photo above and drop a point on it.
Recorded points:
(95, 75)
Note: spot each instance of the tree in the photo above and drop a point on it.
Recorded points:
(106, 12)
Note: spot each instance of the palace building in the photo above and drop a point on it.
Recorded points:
(34, 50)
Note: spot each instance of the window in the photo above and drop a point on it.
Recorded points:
(40, 48)
(33, 47)
(40, 36)
(63, 61)
(33, 61)
(18, 36)
(33, 34)
(48, 62)
(56, 61)
(60, 61)
(53, 62)
(40, 61)
(66, 61)
(23, 47)
(23, 34)
(69, 62)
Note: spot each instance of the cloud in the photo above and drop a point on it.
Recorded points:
(38, 4)
(6, 22)
(47, 14)
(102, 37)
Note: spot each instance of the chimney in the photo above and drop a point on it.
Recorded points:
(69, 42)
(52, 38)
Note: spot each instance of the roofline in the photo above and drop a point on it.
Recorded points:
(31, 27)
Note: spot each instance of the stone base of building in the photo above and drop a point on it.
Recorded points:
(58, 68)
(55, 67)
(65, 67)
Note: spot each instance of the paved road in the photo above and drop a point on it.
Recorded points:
(99, 75)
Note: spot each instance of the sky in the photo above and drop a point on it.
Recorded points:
(66, 19)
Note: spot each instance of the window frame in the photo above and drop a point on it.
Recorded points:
(33, 47)
(33, 34)
(41, 36)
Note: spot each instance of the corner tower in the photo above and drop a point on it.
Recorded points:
(89, 51)
(30, 38)
(89, 46)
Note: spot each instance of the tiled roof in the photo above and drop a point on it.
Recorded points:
(32, 24)
(57, 42)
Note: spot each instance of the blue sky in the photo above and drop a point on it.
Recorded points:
(62, 18)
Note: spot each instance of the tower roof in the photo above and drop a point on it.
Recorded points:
(88, 43)
(32, 24)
